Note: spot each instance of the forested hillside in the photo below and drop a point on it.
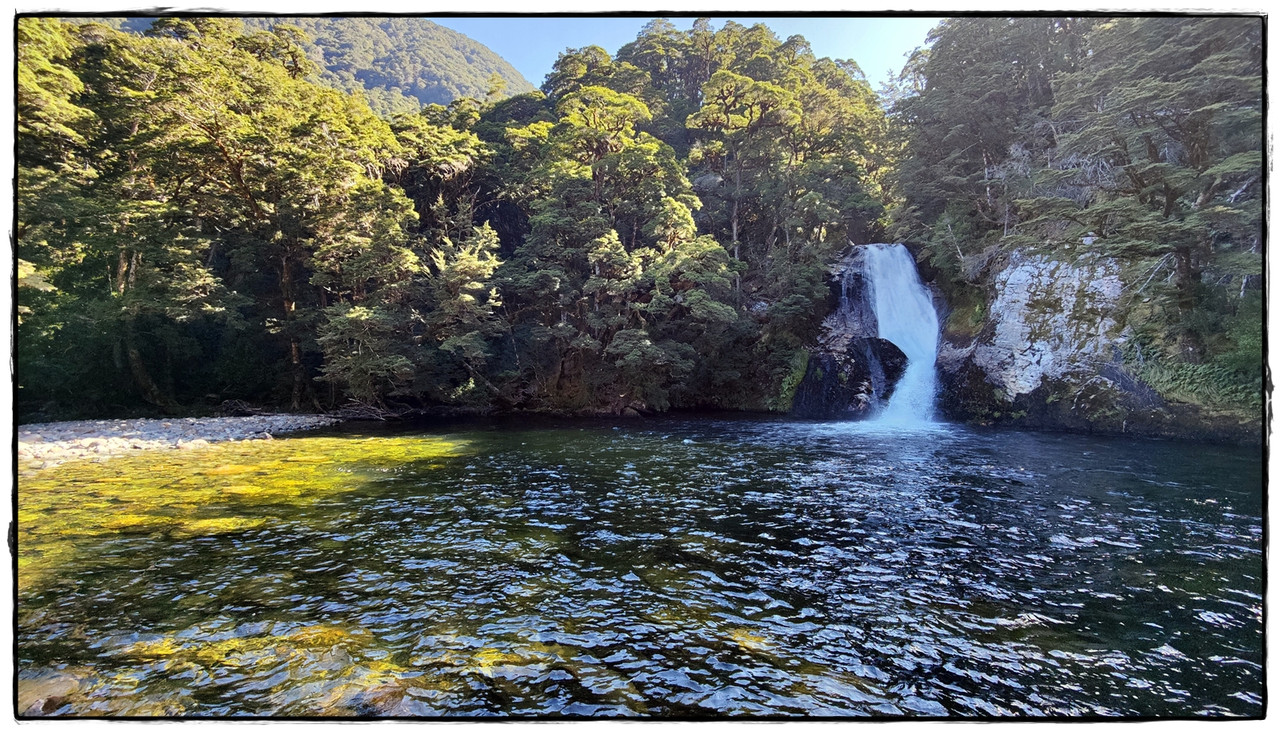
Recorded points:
(1134, 139)
(403, 63)
(199, 221)
(399, 64)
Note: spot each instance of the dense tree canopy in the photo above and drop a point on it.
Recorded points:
(397, 64)
(196, 210)
(220, 208)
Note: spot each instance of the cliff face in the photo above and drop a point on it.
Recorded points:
(1049, 355)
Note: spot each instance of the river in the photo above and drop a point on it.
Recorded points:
(658, 567)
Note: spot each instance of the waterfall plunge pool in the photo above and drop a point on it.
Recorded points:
(666, 567)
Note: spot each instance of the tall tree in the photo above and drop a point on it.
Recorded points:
(977, 129)
(1162, 124)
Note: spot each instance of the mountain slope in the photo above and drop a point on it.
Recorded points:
(399, 63)
(402, 63)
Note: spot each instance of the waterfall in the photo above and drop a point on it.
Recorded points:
(905, 316)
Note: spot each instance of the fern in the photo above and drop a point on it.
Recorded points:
(795, 374)
(1202, 383)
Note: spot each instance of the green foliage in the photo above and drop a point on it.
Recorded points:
(48, 119)
(398, 65)
(1231, 378)
(1137, 139)
(1176, 150)
(1243, 351)
(402, 63)
(464, 321)
(593, 67)
(214, 186)
(605, 272)
(967, 315)
(308, 212)
(1204, 384)
(798, 365)
(973, 112)
(361, 351)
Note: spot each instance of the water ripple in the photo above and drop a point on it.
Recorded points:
(693, 568)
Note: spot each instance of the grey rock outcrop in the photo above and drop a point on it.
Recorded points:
(1047, 320)
(1050, 356)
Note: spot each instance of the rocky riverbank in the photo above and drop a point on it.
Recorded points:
(46, 445)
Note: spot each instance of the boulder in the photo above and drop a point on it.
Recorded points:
(854, 383)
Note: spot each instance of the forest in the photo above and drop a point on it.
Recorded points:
(205, 214)
(396, 64)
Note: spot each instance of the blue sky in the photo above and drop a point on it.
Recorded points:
(878, 45)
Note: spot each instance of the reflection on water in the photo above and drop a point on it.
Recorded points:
(663, 567)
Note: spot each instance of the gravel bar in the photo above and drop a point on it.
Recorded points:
(46, 445)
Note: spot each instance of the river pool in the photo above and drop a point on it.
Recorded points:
(659, 567)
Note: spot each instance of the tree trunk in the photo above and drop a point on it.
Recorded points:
(733, 221)
(295, 358)
(1186, 276)
(733, 218)
(300, 384)
(122, 272)
(147, 387)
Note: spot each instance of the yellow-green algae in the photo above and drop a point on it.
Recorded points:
(327, 666)
(327, 670)
(222, 489)
(336, 666)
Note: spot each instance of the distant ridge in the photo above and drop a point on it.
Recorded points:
(400, 64)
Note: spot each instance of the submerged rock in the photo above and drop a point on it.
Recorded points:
(40, 695)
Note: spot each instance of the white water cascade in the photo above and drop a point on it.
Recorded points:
(905, 316)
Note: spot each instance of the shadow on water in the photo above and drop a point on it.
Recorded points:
(685, 567)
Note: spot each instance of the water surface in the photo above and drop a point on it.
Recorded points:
(686, 567)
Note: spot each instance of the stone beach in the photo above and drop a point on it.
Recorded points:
(46, 445)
